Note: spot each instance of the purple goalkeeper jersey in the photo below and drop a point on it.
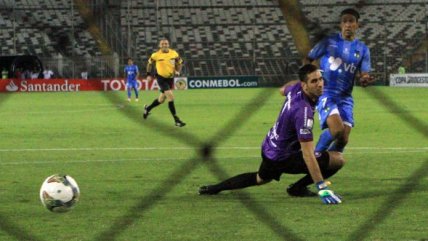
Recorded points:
(294, 125)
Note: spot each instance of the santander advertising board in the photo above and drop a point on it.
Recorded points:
(71, 85)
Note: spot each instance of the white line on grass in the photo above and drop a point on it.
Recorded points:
(391, 150)
(110, 107)
(395, 149)
(113, 160)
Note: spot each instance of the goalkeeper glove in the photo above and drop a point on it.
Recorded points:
(327, 196)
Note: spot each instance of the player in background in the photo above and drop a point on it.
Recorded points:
(131, 74)
(288, 147)
(342, 58)
(168, 64)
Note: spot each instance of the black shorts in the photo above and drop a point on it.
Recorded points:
(165, 83)
(295, 164)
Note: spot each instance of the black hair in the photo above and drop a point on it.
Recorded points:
(305, 70)
(352, 12)
(129, 58)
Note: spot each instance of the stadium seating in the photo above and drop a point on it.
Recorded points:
(216, 37)
(44, 28)
(392, 31)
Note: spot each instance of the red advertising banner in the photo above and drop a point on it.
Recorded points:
(74, 85)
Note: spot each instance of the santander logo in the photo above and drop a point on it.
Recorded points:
(11, 87)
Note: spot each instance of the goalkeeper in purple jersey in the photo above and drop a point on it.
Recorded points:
(342, 57)
(288, 147)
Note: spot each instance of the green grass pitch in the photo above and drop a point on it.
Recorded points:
(124, 167)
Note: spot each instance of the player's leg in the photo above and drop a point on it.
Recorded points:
(156, 102)
(128, 89)
(135, 86)
(337, 129)
(171, 105)
(329, 162)
(163, 85)
(266, 173)
(346, 107)
(325, 107)
(170, 98)
(324, 141)
(237, 182)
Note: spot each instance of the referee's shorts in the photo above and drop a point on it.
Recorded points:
(165, 83)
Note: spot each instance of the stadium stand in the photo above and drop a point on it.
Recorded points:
(46, 29)
(215, 37)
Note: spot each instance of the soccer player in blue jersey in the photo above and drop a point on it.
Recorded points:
(131, 75)
(342, 57)
(288, 147)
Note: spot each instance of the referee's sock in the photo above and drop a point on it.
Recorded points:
(153, 104)
(171, 107)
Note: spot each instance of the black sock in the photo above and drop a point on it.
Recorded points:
(153, 105)
(171, 107)
(307, 180)
(237, 182)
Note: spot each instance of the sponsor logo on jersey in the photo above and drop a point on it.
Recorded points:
(336, 62)
(357, 54)
(305, 131)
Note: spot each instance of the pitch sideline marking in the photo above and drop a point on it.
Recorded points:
(188, 148)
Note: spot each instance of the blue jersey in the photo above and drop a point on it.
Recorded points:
(294, 125)
(340, 60)
(131, 72)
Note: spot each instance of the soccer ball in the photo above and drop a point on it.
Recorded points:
(59, 193)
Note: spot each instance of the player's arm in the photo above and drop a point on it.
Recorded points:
(137, 75)
(286, 85)
(316, 52)
(308, 151)
(365, 78)
(327, 196)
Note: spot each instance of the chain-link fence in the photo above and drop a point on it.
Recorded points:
(72, 63)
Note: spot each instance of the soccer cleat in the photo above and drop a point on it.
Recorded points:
(145, 112)
(208, 190)
(179, 123)
(129, 99)
(136, 100)
(295, 191)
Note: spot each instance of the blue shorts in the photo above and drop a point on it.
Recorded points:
(344, 105)
(132, 84)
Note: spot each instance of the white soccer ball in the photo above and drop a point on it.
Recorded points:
(59, 193)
